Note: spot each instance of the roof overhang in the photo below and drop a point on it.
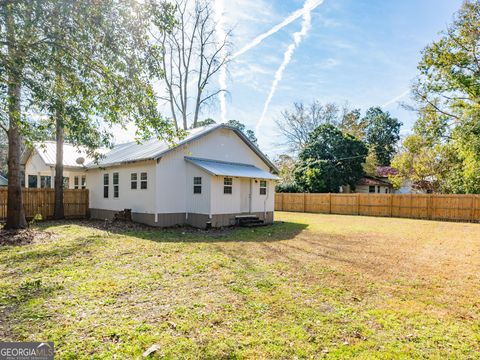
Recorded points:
(224, 168)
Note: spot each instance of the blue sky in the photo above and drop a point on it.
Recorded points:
(363, 52)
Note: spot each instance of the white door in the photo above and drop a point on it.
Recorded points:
(245, 195)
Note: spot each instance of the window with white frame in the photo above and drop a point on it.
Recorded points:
(263, 187)
(45, 182)
(115, 185)
(84, 181)
(133, 181)
(75, 182)
(197, 185)
(143, 180)
(106, 180)
(227, 185)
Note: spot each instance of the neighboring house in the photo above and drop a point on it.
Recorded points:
(39, 166)
(3, 181)
(380, 184)
(209, 178)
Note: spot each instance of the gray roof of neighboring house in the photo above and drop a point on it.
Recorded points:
(153, 149)
(47, 150)
(3, 181)
(224, 168)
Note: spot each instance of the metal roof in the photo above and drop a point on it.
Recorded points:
(3, 181)
(47, 150)
(224, 168)
(154, 148)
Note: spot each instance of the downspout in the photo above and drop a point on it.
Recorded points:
(265, 203)
(250, 198)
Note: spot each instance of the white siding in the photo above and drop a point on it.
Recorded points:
(36, 166)
(221, 144)
(139, 200)
(364, 189)
(197, 203)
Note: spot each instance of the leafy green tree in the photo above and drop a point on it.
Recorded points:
(75, 61)
(448, 96)
(249, 133)
(382, 133)
(329, 160)
(352, 123)
(286, 167)
(205, 122)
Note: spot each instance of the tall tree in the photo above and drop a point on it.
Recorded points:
(382, 133)
(352, 123)
(250, 134)
(448, 91)
(79, 94)
(61, 76)
(296, 125)
(190, 54)
(329, 160)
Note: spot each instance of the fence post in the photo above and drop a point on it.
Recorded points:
(329, 203)
(391, 204)
(358, 203)
(429, 206)
(303, 202)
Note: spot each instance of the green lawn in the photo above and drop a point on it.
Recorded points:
(313, 286)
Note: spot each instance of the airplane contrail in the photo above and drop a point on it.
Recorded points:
(307, 8)
(396, 98)
(297, 38)
(218, 7)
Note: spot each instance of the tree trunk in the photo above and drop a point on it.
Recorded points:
(15, 211)
(59, 211)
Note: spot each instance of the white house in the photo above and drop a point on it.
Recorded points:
(39, 166)
(209, 178)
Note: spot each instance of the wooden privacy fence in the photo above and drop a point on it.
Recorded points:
(42, 201)
(417, 206)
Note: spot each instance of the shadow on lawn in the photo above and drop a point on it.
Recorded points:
(276, 232)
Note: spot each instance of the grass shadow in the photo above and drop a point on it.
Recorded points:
(278, 231)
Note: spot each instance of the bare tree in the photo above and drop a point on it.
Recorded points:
(189, 55)
(297, 124)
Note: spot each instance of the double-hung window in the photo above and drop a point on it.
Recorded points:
(45, 182)
(106, 180)
(133, 181)
(75, 182)
(115, 185)
(143, 180)
(227, 185)
(263, 187)
(84, 181)
(197, 185)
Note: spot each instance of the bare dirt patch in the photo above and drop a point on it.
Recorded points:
(22, 237)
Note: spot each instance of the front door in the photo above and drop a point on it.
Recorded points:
(245, 195)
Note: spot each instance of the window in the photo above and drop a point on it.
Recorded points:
(66, 182)
(32, 181)
(378, 189)
(75, 182)
(133, 181)
(115, 185)
(371, 189)
(105, 185)
(197, 185)
(263, 187)
(227, 185)
(45, 182)
(143, 180)
(84, 181)
(386, 190)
